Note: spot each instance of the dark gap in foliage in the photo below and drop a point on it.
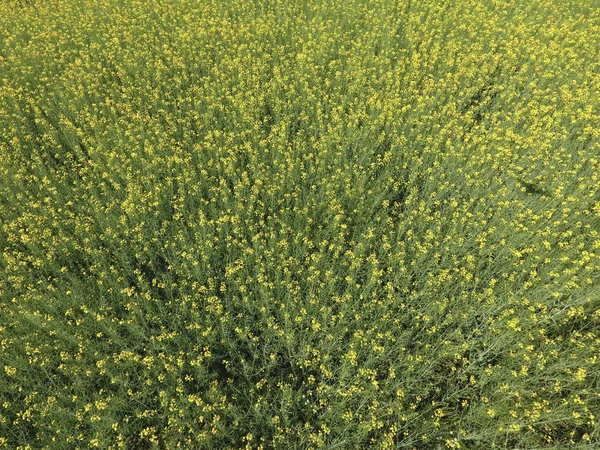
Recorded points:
(267, 118)
(480, 102)
(532, 188)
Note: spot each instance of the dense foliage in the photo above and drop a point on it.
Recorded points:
(299, 224)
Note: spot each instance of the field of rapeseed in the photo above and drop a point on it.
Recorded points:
(299, 224)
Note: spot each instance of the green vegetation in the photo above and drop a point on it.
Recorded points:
(299, 224)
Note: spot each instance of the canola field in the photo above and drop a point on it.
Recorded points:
(301, 224)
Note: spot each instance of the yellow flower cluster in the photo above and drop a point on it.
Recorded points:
(299, 224)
